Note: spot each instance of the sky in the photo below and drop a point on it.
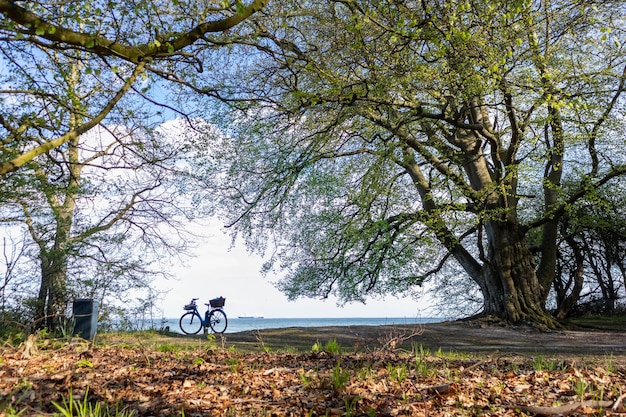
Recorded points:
(235, 274)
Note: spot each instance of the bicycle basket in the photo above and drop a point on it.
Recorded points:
(189, 307)
(217, 302)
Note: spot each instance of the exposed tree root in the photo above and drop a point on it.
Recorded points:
(543, 324)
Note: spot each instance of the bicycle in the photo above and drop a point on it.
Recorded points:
(191, 322)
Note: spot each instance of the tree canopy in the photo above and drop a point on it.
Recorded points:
(372, 145)
(380, 140)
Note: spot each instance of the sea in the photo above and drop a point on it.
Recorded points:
(236, 324)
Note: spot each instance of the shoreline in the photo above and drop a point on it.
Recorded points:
(447, 336)
(236, 325)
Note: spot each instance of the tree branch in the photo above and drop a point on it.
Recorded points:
(36, 26)
(16, 163)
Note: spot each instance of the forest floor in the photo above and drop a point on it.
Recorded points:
(443, 369)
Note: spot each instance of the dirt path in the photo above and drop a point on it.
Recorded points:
(447, 336)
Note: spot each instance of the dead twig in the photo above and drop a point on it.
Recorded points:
(439, 389)
(259, 339)
(618, 405)
(398, 335)
(566, 409)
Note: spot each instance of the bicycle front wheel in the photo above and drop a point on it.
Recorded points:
(218, 321)
(190, 323)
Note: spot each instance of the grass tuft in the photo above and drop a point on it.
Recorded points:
(71, 408)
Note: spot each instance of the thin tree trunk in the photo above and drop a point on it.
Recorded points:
(54, 268)
(52, 300)
(42, 298)
(566, 302)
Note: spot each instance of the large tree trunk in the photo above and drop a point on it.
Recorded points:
(509, 282)
(507, 276)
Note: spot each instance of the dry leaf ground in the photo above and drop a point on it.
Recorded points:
(153, 376)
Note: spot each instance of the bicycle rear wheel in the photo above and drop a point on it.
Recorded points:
(218, 320)
(190, 323)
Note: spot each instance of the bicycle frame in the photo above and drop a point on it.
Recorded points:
(205, 323)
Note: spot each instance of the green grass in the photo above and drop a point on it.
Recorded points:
(339, 377)
(397, 373)
(541, 363)
(332, 347)
(71, 408)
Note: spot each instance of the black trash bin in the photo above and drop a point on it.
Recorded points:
(85, 318)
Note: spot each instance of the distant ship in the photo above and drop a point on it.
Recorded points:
(250, 317)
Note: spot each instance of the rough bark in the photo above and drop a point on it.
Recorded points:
(507, 276)
(511, 288)
(52, 300)
(52, 295)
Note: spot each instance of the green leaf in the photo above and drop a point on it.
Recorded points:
(239, 7)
